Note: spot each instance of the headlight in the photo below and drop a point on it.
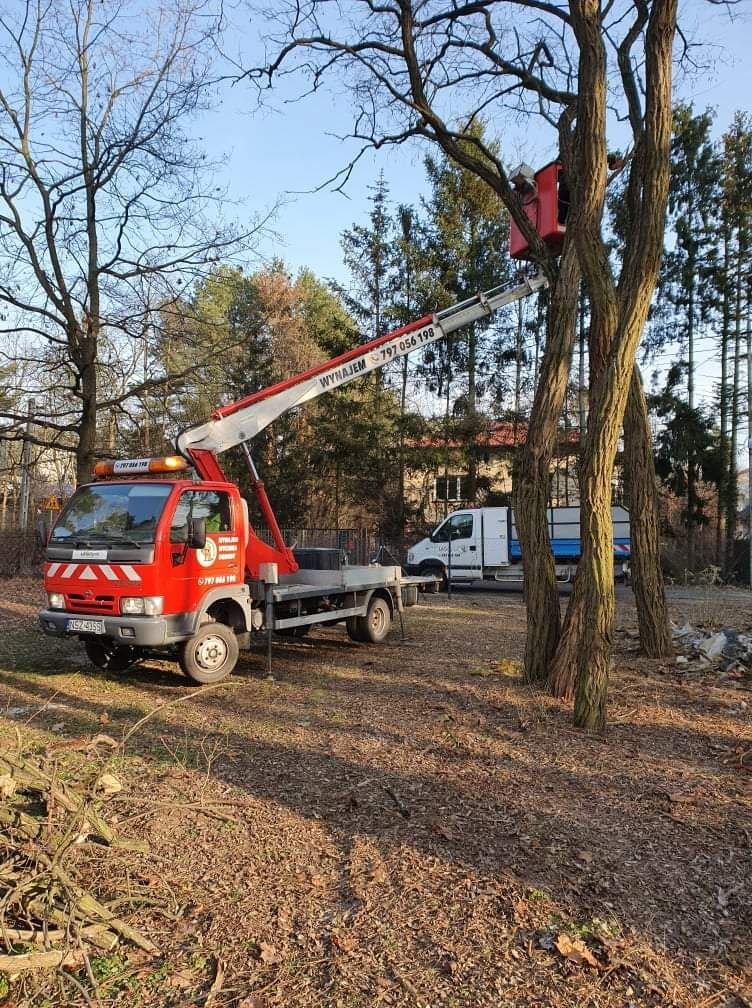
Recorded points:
(55, 600)
(147, 605)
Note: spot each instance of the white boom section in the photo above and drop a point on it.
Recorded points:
(219, 434)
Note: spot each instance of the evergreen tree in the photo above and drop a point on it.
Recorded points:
(687, 295)
(736, 232)
(369, 252)
(686, 444)
(468, 236)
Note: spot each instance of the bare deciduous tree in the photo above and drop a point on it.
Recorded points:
(107, 209)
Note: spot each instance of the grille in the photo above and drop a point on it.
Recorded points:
(77, 602)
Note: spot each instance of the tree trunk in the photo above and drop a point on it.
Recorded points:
(618, 316)
(640, 483)
(732, 495)
(691, 460)
(87, 432)
(532, 474)
(401, 471)
(472, 415)
(518, 367)
(723, 441)
(581, 394)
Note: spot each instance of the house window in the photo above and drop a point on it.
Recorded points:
(452, 488)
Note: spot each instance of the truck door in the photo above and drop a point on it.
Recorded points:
(458, 532)
(193, 572)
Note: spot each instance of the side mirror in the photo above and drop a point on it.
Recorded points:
(197, 533)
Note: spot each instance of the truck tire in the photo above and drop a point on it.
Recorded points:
(210, 655)
(377, 622)
(353, 629)
(108, 656)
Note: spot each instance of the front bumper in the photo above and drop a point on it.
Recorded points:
(130, 631)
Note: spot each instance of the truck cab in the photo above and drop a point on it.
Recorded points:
(143, 563)
(464, 545)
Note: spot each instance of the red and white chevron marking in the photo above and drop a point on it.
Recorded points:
(94, 572)
(621, 548)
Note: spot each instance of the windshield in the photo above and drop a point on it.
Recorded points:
(117, 514)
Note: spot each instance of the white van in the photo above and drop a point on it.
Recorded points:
(481, 544)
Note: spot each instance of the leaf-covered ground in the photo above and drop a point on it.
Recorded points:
(411, 824)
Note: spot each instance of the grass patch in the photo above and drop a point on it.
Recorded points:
(28, 650)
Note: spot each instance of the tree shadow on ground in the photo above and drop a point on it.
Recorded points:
(592, 828)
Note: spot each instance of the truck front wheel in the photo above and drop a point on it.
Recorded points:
(108, 656)
(210, 655)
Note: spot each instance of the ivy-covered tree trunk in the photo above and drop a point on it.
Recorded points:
(732, 489)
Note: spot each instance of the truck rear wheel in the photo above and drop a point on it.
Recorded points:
(210, 655)
(353, 630)
(376, 624)
(108, 656)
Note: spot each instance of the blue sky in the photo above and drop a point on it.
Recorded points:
(277, 154)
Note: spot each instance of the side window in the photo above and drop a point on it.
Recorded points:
(462, 526)
(458, 527)
(441, 534)
(212, 505)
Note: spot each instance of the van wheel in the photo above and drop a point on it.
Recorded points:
(210, 655)
(437, 572)
(110, 657)
(377, 622)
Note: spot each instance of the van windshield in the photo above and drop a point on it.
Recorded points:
(111, 514)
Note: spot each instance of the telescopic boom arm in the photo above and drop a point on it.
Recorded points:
(242, 420)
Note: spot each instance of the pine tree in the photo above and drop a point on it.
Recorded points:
(410, 301)
(736, 228)
(685, 289)
(370, 255)
(468, 250)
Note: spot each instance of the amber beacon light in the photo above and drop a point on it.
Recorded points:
(141, 467)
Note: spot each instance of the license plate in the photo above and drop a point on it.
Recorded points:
(85, 625)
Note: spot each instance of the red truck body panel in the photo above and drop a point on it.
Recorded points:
(94, 585)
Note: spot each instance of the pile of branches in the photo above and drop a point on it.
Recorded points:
(48, 918)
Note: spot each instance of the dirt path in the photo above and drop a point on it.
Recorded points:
(407, 825)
